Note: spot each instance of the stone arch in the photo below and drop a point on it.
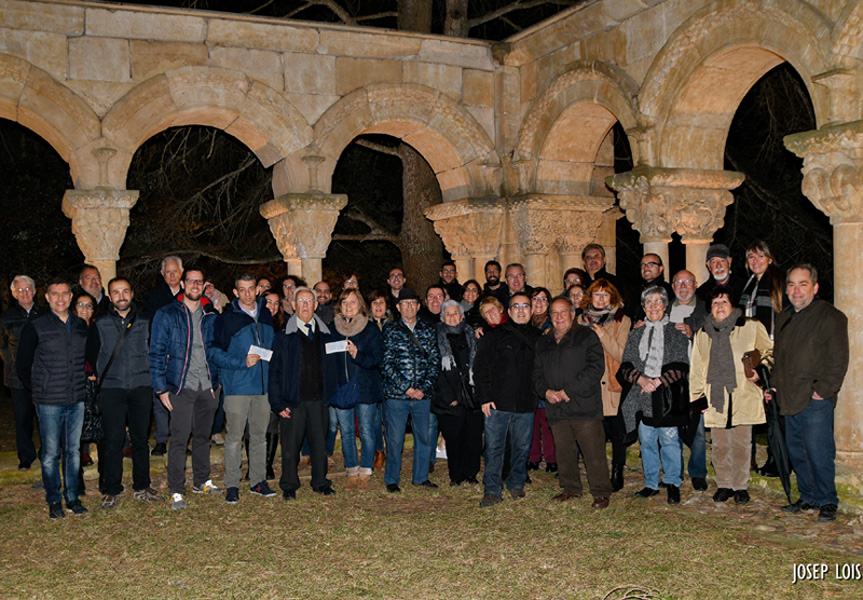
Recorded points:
(586, 100)
(458, 149)
(698, 79)
(254, 113)
(31, 97)
(848, 31)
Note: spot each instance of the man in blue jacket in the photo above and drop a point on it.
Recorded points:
(242, 332)
(186, 382)
(303, 378)
(51, 365)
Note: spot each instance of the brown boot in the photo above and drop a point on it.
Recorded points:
(380, 459)
(363, 483)
(352, 482)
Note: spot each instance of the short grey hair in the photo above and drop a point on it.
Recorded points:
(813, 272)
(304, 288)
(244, 277)
(654, 289)
(172, 258)
(26, 278)
(449, 303)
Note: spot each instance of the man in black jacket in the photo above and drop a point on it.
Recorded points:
(505, 389)
(117, 345)
(51, 365)
(568, 373)
(11, 323)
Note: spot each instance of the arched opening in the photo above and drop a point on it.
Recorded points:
(200, 193)
(388, 184)
(38, 239)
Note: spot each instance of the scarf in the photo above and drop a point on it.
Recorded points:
(447, 358)
(757, 303)
(352, 327)
(720, 370)
(595, 316)
(651, 348)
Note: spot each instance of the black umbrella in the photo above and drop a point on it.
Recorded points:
(776, 436)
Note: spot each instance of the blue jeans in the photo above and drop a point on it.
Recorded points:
(396, 413)
(519, 426)
(698, 454)
(433, 435)
(364, 413)
(60, 427)
(333, 430)
(378, 426)
(812, 449)
(656, 443)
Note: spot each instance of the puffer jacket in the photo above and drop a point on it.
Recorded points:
(370, 354)
(404, 365)
(12, 321)
(171, 345)
(746, 402)
(131, 368)
(234, 332)
(51, 359)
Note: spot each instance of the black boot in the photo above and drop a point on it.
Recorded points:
(272, 444)
(616, 477)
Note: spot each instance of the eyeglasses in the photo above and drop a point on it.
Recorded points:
(449, 271)
(655, 302)
(194, 282)
(289, 286)
(434, 297)
(652, 263)
(396, 276)
(352, 281)
(540, 299)
(515, 276)
(520, 305)
(303, 300)
(24, 289)
(682, 282)
(84, 305)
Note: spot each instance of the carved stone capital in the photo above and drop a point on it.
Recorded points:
(832, 169)
(469, 227)
(659, 202)
(303, 223)
(546, 221)
(99, 221)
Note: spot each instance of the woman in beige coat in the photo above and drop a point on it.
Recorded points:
(602, 309)
(734, 403)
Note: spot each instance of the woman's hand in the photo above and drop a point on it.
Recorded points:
(648, 386)
(352, 349)
(598, 330)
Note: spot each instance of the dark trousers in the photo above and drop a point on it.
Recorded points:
(615, 431)
(571, 434)
(463, 435)
(310, 420)
(119, 406)
(192, 415)
(24, 411)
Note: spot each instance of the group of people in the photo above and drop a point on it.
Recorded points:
(509, 375)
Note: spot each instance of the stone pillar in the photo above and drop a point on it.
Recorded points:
(691, 202)
(832, 167)
(471, 231)
(303, 227)
(544, 222)
(99, 221)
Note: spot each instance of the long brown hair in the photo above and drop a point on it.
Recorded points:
(776, 277)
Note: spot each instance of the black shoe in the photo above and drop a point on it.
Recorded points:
(796, 507)
(723, 494)
(489, 500)
(527, 480)
(551, 467)
(699, 484)
(663, 485)
(673, 494)
(55, 511)
(741, 496)
(646, 492)
(455, 483)
(431, 467)
(827, 513)
(289, 496)
(159, 450)
(24, 466)
(616, 478)
(427, 484)
(327, 491)
(472, 480)
(769, 469)
(76, 508)
(272, 445)
(533, 466)
(393, 488)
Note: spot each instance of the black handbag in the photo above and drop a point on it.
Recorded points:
(347, 395)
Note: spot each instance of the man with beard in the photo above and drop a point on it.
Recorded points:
(493, 285)
(719, 265)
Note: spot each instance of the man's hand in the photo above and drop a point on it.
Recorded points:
(684, 329)
(252, 360)
(415, 394)
(487, 408)
(166, 401)
(768, 394)
(285, 414)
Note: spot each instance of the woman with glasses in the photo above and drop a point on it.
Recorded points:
(539, 303)
(602, 311)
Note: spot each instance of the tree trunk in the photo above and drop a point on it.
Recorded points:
(422, 250)
(455, 24)
(415, 15)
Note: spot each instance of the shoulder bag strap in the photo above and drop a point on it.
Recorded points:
(114, 354)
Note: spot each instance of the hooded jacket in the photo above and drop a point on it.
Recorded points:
(234, 333)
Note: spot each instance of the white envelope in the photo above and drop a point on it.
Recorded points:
(333, 347)
(262, 352)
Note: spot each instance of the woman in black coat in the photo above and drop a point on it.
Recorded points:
(459, 417)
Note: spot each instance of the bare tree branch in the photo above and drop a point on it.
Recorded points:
(365, 237)
(377, 147)
(340, 12)
(130, 262)
(383, 15)
(517, 5)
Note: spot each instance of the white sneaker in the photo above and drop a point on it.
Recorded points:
(177, 502)
(208, 487)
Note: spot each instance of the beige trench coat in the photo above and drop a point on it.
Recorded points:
(613, 342)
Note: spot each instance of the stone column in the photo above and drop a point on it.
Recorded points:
(99, 221)
(691, 202)
(832, 167)
(471, 231)
(303, 227)
(544, 222)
